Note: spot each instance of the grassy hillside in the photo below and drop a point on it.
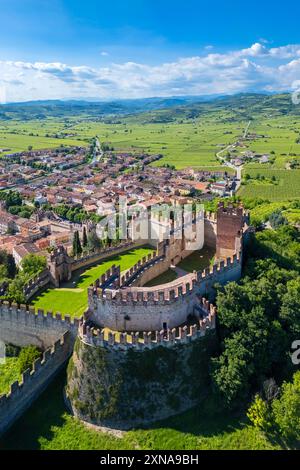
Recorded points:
(49, 426)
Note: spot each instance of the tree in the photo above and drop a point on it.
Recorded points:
(77, 248)
(259, 414)
(3, 273)
(16, 290)
(84, 238)
(276, 219)
(286, 409)
(8, 261)
(33, 264)
(290, 308)
(230, 373)
(94, 242)
(27, 357)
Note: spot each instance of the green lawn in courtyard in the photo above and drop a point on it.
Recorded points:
(167, 276)
(198, 260)
(71, 297)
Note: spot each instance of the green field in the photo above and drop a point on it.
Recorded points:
(71, 298)
(18, 136)
(288, 187)
(192, 143)
(187, 143)
(47, 425)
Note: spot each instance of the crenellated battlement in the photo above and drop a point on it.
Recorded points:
(22, 393)
(230, 210)
(14, 310)
(28, 375)
(135, 271)
(211, 216)
(22, 326)
(147, 340)
(122, 307)
(36, 284)
(169, 292)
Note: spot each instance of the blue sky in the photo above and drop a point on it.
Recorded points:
(72, 48)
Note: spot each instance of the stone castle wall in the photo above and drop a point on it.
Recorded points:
(206, 313)
(123, 386)
(230, 223)
(210, 230)
(22, 394)
(154, 308)
(23, 327)
(36, 284)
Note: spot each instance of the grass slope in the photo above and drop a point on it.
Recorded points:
(47, 425)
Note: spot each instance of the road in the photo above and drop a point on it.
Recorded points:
(237, 169)
(98, 152)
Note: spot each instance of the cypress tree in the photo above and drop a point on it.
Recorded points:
(84, 238)
(77, 248)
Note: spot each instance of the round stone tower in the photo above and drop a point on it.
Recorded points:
(122, 381)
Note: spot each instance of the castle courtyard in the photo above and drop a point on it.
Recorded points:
(71, 298)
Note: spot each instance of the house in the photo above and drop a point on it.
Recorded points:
(264, 159)
(20, 251)
(220, 188)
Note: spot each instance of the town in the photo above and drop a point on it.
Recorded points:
(47, 194)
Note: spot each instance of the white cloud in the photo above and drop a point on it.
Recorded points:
(257, 68)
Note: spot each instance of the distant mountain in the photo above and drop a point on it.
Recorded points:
(152, 109)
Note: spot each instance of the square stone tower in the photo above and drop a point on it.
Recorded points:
(230, 223)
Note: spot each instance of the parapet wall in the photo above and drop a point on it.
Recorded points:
(82, 262)
(36, 284)
(22, 394)
(149, 340)
(160, 307)
(23, 327)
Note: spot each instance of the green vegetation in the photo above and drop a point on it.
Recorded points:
(14, 204)
(279, 417)
(49, 426)
(167, 276)
(75, 214)
(9, 373)
(286, 409)
(16, 280)
(17, 361)
(259, 319)
(7, 267)
(198, 260)
(71, 297)
(77, 248)
(31, 265)
(287, 187)
(27, 357)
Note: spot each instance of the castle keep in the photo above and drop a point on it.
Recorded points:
(121, 302)
(140, 353)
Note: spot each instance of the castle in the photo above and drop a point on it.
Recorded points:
(140, 353)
